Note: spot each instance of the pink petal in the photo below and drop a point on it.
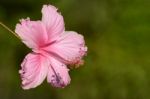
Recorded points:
(69, 48)
(32, 33)
(34, 70)
(58, 74)
(53, 20)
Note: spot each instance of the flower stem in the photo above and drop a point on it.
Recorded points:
(7, 28)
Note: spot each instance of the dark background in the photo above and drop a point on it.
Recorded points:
(117, 33)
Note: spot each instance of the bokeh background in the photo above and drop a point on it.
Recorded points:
(117, 33)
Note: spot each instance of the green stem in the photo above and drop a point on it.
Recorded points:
(7, 28)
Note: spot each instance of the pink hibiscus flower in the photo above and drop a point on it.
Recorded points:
(53, 49)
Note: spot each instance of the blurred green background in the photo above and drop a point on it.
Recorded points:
(117, 33)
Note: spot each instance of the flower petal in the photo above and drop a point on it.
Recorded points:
(34, 70)
(58, 74)
(53, 20)
(69, 48)
(33, 33)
